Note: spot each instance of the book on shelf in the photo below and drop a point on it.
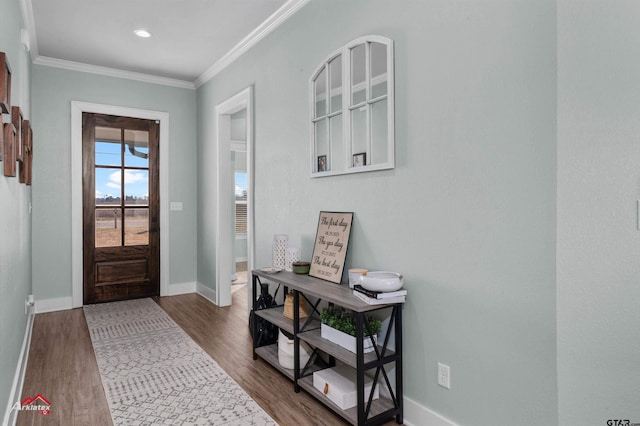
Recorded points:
(374, 301)
(380, 294)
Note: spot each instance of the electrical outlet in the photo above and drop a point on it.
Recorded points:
(444, 375)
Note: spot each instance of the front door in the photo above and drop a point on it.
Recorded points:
(121, 215)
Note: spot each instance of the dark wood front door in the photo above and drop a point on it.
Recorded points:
(121, 214)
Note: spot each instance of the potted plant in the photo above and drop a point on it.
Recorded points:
(339, 327)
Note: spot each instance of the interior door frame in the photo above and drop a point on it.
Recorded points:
(224, 222)
(77, 108)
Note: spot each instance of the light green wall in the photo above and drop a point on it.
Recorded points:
(488, 124)
(467, 215)
(598, 187)
(15, 221)
(53, 91)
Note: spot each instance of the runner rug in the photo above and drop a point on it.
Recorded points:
(153, 373)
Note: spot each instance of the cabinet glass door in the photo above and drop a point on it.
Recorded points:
(362, 138)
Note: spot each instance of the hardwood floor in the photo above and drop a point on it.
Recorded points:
(62, 366)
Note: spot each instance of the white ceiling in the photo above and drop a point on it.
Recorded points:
(191, 39)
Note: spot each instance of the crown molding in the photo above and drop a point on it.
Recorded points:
(270, 24)
(112, 72)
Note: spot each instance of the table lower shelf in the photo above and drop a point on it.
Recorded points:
(381, 405)
(378, 406)
(270, 354)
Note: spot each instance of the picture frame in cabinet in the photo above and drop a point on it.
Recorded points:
(322, 163)
(9, 133)
(360, 159)
(330, 249)
(5, 84)
(17, 119)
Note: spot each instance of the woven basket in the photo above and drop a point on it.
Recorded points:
(288, 306)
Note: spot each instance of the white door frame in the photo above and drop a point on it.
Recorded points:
(224, 241)
(77, 108)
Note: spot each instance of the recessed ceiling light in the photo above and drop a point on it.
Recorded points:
(142, 33)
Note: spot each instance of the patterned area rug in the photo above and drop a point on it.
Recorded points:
(153, 373)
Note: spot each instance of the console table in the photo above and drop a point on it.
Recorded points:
(368, 411)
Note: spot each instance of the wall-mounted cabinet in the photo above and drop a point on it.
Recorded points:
(352, 109)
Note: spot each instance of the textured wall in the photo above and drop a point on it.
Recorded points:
(15, 220)
(53, 91)
(598, 236)
(468, 214)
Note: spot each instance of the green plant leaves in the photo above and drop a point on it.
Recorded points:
(344, 320)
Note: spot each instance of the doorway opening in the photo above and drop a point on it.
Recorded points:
(77, 109)
(235, 246)
(121, 208)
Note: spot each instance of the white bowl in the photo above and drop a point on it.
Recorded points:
(382, 281)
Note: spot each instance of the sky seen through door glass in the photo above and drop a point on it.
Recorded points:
(108, 181)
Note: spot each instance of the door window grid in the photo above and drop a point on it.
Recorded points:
(122, 217)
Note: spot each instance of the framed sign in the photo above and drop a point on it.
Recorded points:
(330, 250)
(26, 144)
(5, 84)
(16, 119)
(9, 149)
(29, 153)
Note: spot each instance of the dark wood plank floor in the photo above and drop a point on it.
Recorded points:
(62, 366)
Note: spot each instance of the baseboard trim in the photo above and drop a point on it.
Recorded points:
(181, 288)
(206, 292)
(11, 415)
(416, 414)
(52, 305)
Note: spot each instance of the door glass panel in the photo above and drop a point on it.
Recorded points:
(378, 89)
(108, 147)
(358, 74)
(108, 227)
(136, 148)
(359, 130)
(379, 148)
(378, 55)
(320, 90)
(335, 69)
(107, 186)
(136, 187)
(136, 227)
(337, 147)
(322, 146)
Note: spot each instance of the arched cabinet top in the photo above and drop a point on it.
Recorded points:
(352, 109)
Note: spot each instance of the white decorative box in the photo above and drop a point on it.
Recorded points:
(345, 340)
(285, 352)
(339, 385)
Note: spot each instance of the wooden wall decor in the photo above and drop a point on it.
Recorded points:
(22, 175)
(16, 119)
(5, 84)
(9, 149)
(30, 157)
